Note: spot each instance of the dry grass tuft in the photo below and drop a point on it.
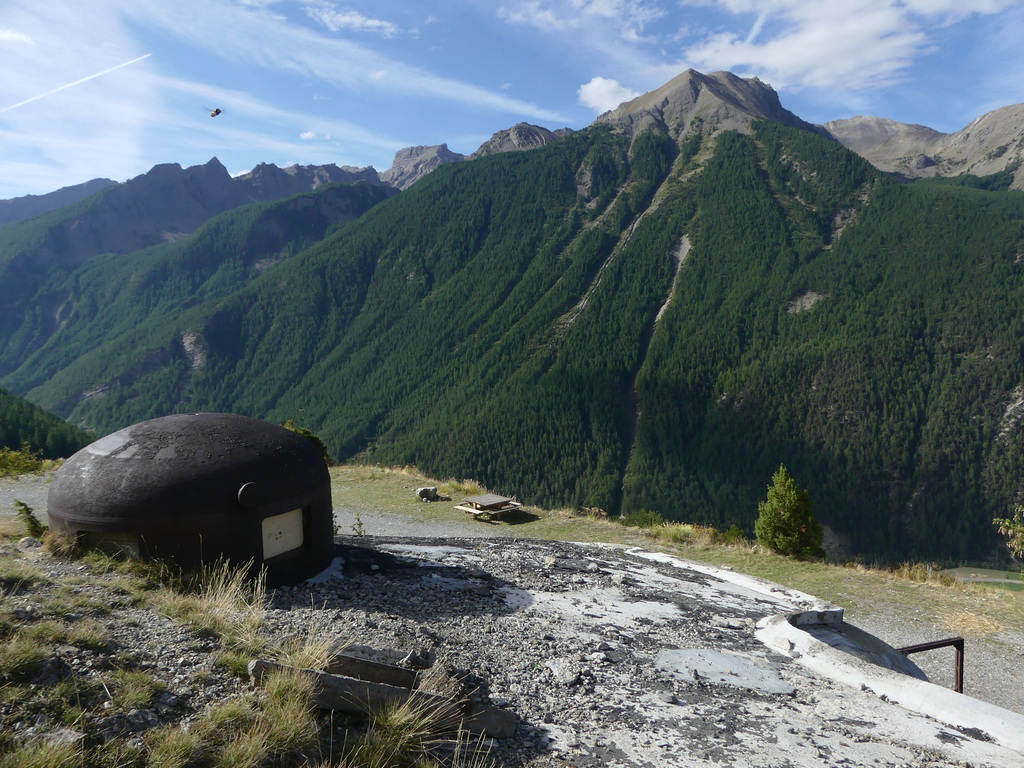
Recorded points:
(313, 651)
(11, 528)
(966, 623)
(926, 573)
(46, 754)
(455, 488)
(16, 575)
(413, 732)
(21, 657)
(223, 599)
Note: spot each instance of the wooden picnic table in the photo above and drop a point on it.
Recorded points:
(489, 504)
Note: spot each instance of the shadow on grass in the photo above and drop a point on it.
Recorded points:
(518, 517)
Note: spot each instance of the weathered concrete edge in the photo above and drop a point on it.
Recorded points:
(782, 633)
(771, 590)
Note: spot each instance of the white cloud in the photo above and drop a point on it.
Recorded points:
(535, 15)
(10, 36)
(602, 94)
(847, 44)
(629, 18)
(308, 135)
(349, 19)
(258, 39)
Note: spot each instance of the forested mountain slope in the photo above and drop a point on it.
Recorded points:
(647, 314)
(54, 316)
(22, 423)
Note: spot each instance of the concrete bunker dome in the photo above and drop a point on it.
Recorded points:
(198, 488)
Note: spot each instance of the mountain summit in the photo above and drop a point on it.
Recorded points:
(715, 102)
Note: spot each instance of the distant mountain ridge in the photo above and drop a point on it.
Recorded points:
(164, 205)
(413, 163)
(30, 206)
(992, 143)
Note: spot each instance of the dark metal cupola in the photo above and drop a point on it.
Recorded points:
(202, 487)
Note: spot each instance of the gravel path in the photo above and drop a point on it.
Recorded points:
(31, 489)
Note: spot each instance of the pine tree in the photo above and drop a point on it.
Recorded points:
(785, 521)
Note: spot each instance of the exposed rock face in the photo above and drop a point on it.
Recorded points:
(988, 145)
(30, 206)
(521, 136)
(413, 163)
(709, 103)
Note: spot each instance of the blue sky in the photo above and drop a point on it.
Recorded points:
(109, 88)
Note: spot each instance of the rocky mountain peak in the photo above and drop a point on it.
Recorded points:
(519, 137)
(413, 163)
(710, 103)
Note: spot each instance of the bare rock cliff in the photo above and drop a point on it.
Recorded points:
(413, 163)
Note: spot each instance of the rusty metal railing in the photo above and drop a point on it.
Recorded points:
(957, 643)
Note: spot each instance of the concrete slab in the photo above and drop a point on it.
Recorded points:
(721, 667)
(597, 646)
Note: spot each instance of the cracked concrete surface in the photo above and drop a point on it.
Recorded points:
(625, 657)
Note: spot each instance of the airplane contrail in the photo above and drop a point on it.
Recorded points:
(72, 85)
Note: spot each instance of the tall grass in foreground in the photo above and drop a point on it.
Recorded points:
(221, 598)
(279, 726)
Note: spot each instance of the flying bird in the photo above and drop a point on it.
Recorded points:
(213, 112)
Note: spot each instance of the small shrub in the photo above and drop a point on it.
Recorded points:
(33, 527)
(927, 573)
(733, 536)
(19, 462)
(642, 518)
(1013, 530)
(308, 434)
(785, 521)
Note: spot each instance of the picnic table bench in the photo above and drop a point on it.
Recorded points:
(489, 504)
